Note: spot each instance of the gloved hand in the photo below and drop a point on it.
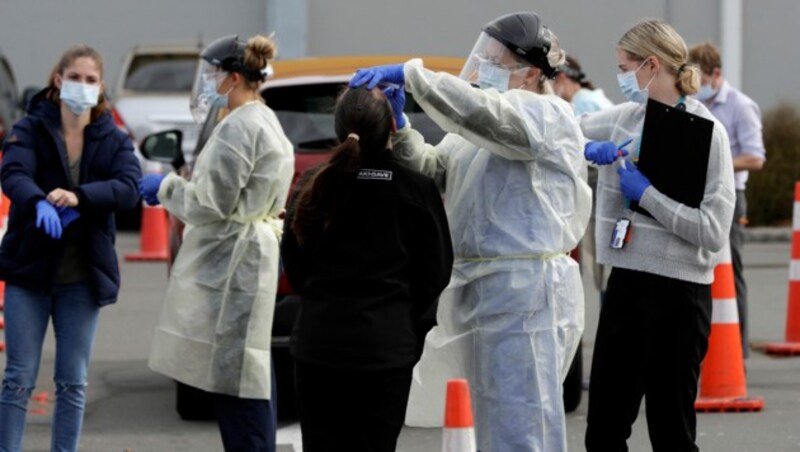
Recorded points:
(67, 216)
(47, 219)
(392, 73)
(603, 152)
(397, 99)
(632, 182)
(148, 188)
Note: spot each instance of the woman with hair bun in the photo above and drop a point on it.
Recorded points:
(216, 324)
(656, 316)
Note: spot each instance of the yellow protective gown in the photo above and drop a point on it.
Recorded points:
(216, 322)
(513, 176)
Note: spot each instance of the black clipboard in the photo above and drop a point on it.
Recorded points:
(673, 153)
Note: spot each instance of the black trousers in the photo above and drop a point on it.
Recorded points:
(247, 425)
(737, 242)
(352, 410)
(652, 336)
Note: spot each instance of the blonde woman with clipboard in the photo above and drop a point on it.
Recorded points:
(656, 318)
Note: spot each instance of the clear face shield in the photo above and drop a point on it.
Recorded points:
(491, 64)
(204, 90)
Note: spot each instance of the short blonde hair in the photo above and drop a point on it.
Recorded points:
(659, 39)
(706, 55)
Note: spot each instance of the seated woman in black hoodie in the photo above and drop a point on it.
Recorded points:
(367, 246)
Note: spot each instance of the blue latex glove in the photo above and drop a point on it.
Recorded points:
(47, 219)
(632, 182)
(397, 99)
(67, 216)
(391, 73)
(604, 152)
(148, 188)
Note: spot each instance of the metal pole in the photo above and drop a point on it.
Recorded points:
(731, 40)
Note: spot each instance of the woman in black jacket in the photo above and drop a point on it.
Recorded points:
(367, 246)
(66, 169)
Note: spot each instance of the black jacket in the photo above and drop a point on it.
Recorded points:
(34, 164)
(381, 263)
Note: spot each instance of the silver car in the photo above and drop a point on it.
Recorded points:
(152, 94)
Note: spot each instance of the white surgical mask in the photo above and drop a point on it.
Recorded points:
(630, 86)
(706, 92)
(79, 97)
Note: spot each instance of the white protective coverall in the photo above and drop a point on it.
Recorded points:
(216, 324)
(513, 175)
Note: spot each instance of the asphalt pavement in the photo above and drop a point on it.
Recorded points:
(131, 408)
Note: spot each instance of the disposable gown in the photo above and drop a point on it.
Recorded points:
(216, 323)
(513, 176)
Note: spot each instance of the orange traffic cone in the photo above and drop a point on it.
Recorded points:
(5, 206)
(459, 427)
(791, 346)
(722, 379)
(153, 242)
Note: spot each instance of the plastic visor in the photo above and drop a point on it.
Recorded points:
(489, 50)
(200, 103)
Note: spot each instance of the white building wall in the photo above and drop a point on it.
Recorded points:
(33, 33)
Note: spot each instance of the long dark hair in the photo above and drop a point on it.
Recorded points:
(363, 122)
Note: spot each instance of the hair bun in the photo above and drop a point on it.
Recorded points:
(258, 51)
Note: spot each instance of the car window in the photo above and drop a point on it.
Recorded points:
(162, 73)
(306, 115)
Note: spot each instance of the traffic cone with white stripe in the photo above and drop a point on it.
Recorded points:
(722, 379)
(791, 347)
(459, 426)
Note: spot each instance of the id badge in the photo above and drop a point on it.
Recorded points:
(620, 234)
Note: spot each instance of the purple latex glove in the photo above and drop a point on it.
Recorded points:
(632, 182)
(397, 99)
(604, 152)
(67, 215)
(372, 76)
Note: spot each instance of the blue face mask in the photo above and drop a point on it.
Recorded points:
(493, 76)
(214, 98)
(79, 97)
(706, 92)
(630, 86)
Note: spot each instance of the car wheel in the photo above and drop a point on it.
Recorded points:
(194, 404)
(573, 384)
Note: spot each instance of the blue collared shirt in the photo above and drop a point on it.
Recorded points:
(742, 120)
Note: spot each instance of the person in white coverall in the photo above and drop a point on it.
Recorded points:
(513, 176)
(216, 323)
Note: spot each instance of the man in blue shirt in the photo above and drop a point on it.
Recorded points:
(742, 119)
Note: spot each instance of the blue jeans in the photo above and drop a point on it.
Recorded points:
(74, 311)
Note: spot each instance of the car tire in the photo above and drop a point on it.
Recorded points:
(573, 384)
(194, 404)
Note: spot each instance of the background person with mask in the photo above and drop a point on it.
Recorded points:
(656, 317)
(742, 119)
(216, 323)
(572, 85)
(512, 175)
(66, 169)
(367, 246)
